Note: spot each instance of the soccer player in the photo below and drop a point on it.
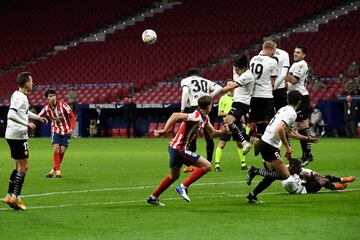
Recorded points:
(17, 135)
(264, 69)
(303, 180)
(271, 141)
(193, 87)
(192, 124)
(225, 104)
(62, 126)
(243, 87)
(297, 81)
(280, 92)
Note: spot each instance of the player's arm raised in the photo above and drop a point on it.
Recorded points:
(230, 86)
(217, 90)
(172, 120)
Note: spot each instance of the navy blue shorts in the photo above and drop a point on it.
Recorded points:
(62, 140)
(178, 158)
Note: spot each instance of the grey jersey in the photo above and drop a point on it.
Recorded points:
(300, 70)
(20, 105)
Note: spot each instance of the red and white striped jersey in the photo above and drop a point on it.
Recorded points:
(60, 117)
(188, 130)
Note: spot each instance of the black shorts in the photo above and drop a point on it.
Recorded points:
(269, 153)
(312, 186)
(261, 109)
(238, 110)
(305, 109)
(280, 98)
(18, 148)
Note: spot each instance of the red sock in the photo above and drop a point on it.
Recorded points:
(195, 175)
(56, 161)
(165, 183)
(61, 157)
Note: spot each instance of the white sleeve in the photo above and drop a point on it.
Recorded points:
(33, 116)
(193, 117)
(280, 79)
(14, 117)
(16, 102)
(300, 70)
(184, 97)
(274, 70)
(217, 90)
(286, 63)
(184, 82)
(289, 119)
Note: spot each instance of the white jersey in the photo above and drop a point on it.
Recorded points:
(263, 68)
(20, 105)
(300, 70)
(283, 62)
(246, 81)
(198, 87)
(293, 184)
(285, 114)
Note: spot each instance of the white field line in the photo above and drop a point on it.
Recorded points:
(119, 189)
(165, 199)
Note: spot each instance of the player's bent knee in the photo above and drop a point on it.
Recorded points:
(173, 177)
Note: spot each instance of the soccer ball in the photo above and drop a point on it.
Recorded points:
(149, 36)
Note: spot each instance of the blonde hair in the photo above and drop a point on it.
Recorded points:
(269, 45)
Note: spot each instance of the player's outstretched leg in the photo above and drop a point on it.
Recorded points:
(204, 166)
(347, 179)
(251, 198)
(252, 172)
(182, 190)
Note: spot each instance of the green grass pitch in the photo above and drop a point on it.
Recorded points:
(106, 182)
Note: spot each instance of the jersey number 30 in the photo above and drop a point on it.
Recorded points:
(202, 85)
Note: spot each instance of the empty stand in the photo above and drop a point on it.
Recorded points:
(187, 37)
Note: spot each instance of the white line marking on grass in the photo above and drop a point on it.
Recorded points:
(118, 189)
(165, 199)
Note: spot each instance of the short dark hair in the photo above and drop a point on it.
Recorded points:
(192, 71)
(295, 162)
(294, 97)
(49, 91)
(23, 78)
(303, 48)
(241, 61)
(204, 101)
(275, 38)
(294, 166)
